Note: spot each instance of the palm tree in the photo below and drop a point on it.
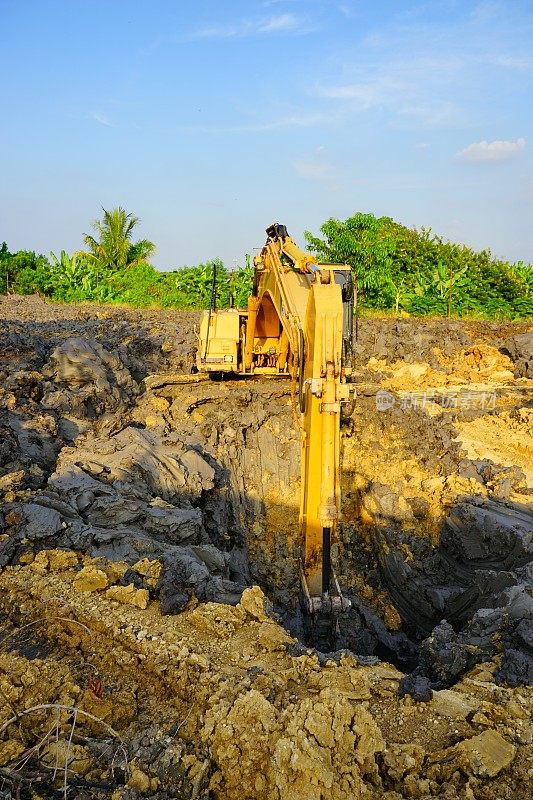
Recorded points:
(113, 249)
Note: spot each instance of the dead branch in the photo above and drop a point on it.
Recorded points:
(53, 733)
(24, 757)
(58, 706)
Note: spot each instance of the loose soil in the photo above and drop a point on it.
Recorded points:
(151, 642)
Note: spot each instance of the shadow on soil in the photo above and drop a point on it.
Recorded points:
(454, 598)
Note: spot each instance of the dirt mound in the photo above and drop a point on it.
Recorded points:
(134, 495)
(218, 702)
(506, 438)
(414, 340)
(520, 349)
(478, 364)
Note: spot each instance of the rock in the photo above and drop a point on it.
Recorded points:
(384, 504)
(11, 480)
(96, 379)
(213, 558)
(319, 747)
(175, 524)
(41, 522)
(150, 570)
(413, 371)
(451, 704)
(90, 579)
(433, 485)
(315, 738)
(139, 780)
(520, 348)
(484, 755)
(273, 636)
(63, 752)
(141, 463)
(516, 667)
(419, 507)
(160, 404)
(417, 686)
(391, 618)
(129, 595)
(477, 534)
(403, 759)
(55, 560)
(446, 654)
(9, 751)
(197, 465)
(254, 603)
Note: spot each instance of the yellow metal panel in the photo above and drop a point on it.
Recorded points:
(320, 462)
(218, 341)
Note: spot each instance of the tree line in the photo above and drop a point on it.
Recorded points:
(395, 268)
(418, 272)
(116, 269)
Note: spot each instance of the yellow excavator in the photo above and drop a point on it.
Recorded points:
(298, 323)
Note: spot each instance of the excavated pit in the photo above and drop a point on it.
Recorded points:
(143, 484)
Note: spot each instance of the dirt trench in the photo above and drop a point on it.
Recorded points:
(140, 509)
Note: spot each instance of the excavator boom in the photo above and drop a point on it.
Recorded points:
(323, 391)
(298, 323)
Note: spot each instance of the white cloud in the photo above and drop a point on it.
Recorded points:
(102, 119)
(346, 9)
(366, 93)
(423, 67)
(379, 91)
(397, 95)
(499, 150)
(430, 114)
(422, 146)
(277, 23)
(513, 62)
(281, 22)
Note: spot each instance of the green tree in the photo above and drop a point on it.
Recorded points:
(5, 258)
(32, 273)
(112, 249)
(365, 243)
(193, 284)
(416, 270)
(23, 272)
(72, 277)
(241, 282)
(138, 285)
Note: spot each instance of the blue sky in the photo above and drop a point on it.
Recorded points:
(210, 120)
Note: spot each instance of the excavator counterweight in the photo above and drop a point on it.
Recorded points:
(298, 323)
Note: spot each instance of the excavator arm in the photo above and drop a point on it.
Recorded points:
(299, 322)
(322, 393)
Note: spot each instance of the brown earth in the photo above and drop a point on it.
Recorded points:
(129, 491)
